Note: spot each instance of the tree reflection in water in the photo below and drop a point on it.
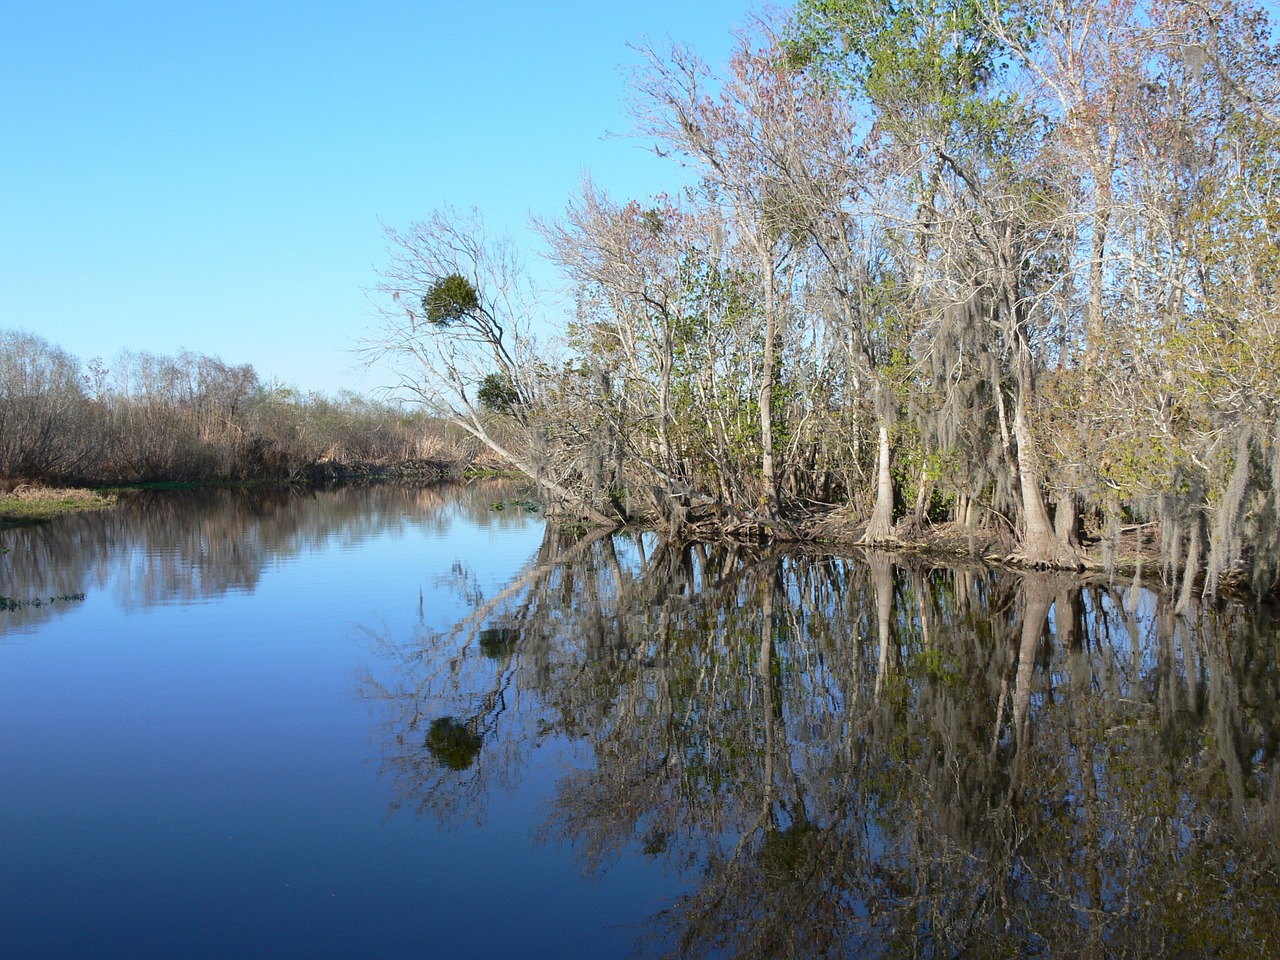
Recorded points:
(869, 756)
(201, 544)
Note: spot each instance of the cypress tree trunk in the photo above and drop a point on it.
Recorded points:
(880, 527)
(1039, 543)
(1066, 520)
(922, 499)
(768, 464)
(556, 491)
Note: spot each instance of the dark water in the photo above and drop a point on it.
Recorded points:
(401, 723)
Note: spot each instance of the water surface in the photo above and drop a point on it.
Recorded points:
(405, 723)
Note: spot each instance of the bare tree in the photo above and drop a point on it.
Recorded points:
(43, 409)
(456, 311)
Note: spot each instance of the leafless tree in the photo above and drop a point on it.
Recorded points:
(457, 307)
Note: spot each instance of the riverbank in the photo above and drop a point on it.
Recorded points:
(31, 503)
(1134, 554)
(1133, 549)
(27, 504)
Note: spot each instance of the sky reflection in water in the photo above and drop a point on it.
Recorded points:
(403, 723)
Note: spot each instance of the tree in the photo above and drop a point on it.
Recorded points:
(729, 140)
(666, 317)
(456, 314)
(44, 429)
(963, 148)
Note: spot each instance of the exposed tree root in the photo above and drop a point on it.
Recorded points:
(882, 541)
(1060, 557)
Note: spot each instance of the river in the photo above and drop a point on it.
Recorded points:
(394, 722)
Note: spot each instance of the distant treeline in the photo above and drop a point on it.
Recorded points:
(193, 417)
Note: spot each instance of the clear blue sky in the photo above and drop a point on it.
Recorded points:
(213, 175)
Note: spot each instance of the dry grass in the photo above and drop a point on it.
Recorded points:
(36, 504)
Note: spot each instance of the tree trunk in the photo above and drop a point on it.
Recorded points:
(1103, 170)
(922, 499)
(768, 468)
(548, 486)
(880, 527)
(1039, 544)
(1066, 521)
(1097, 285)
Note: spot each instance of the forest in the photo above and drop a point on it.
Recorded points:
(146, 418)
(1007, 267)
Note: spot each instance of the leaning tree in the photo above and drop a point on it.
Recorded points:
(456, 306)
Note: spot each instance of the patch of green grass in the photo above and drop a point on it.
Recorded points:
(27, 505)
(159, 485)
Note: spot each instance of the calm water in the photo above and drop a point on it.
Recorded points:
(403, 723)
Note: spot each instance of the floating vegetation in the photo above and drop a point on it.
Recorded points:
(8, 603)
(528, 506)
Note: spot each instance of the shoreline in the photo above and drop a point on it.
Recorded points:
(29, 504)
(1134, 556)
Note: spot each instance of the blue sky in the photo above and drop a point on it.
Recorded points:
(213, 176)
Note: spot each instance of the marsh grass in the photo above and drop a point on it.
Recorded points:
(35, 504)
